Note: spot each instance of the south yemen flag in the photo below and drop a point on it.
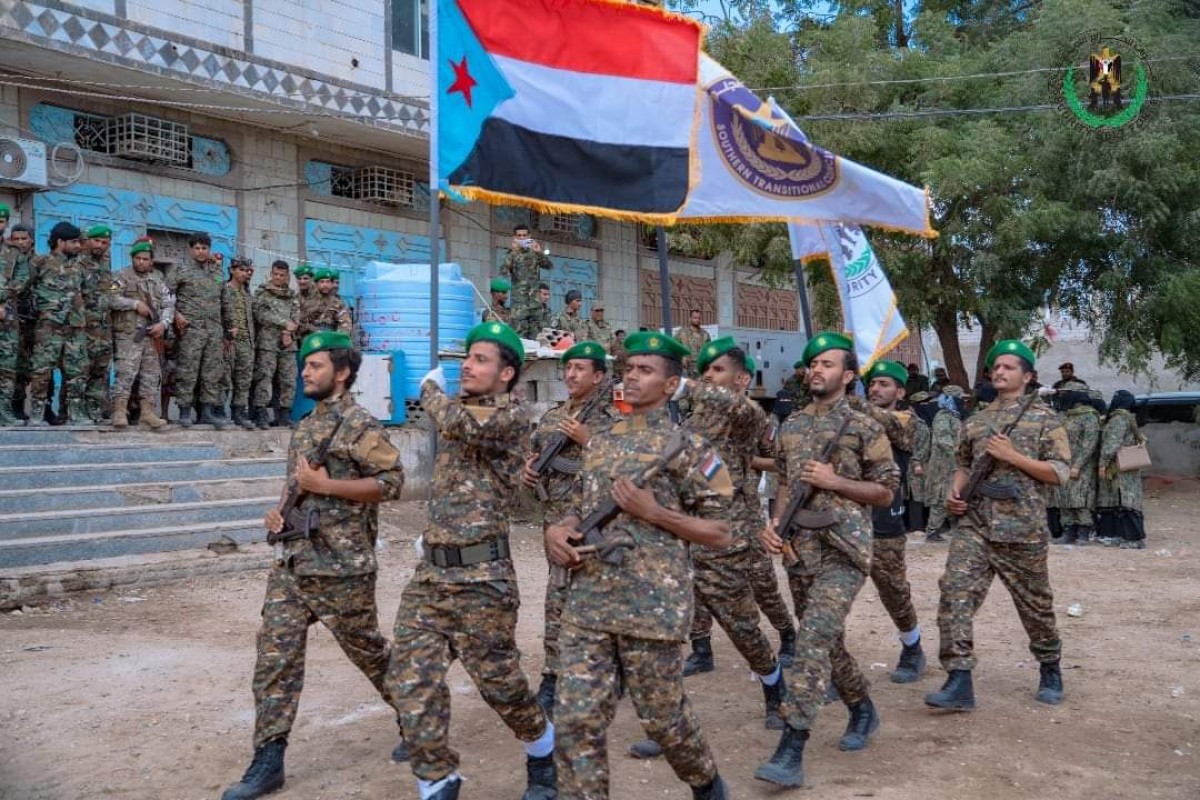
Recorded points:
(567, 105)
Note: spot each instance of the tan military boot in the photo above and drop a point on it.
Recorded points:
(120, 417)
(149, 418)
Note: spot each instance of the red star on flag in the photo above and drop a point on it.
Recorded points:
(463, 82)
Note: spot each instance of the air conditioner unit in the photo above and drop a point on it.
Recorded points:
(22, 162)
(385, 185)
(146, 138)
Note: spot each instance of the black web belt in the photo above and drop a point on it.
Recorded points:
(467, 556)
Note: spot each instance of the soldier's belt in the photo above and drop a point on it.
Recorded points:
(995, 490)
(467, 556)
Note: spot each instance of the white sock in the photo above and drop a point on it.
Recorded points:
(428, 789)
(543, 745)
(772, 678)
(909, 638)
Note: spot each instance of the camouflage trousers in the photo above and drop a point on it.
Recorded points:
(200, 364)
(1082, 517)
(10, 347)
(824, 583)
(137, 361)
(889, 573)
(239, 366)
(722, 588)
(274, 366)
(556, 599)
(28, 337)
(971, 564)
(587, 700)
(57, 344)
(765, 587)
(475, 623)
(100, 356)
(346, 606)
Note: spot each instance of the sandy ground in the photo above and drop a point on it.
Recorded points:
(146, 695)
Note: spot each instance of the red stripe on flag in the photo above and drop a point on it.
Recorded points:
(596, 36)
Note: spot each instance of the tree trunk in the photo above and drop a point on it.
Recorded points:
(988, 334)
(901, 36)
(945, 325)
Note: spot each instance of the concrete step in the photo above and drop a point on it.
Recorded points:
(15, 436)
(160, 515)
(145, 472)
(43, 455)
(78, 547)
(30, 501)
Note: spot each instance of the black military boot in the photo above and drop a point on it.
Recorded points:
(186, 417)
(1085, 534)
(956, 694)
(1070, 535)
(646, 748)
(772, 697)
(717, 790)
(545, 694)
(701, 659)
(264, 776)
(864, 720)
(210, 416)
(449, 791)
(911, 665)
(542, 783)
(401, 752)
(786, 767)
(241, 418)
(1050, 686)
(77, 412)
(260, 418)
(787, 648)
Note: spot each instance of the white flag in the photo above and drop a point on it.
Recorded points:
(868, 302)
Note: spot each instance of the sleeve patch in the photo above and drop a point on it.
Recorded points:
(711, 466)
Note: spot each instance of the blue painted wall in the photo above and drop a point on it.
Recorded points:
(348, 249)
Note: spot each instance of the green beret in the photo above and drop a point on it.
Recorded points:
(888, 369)
(324, 340)
(712, 351)
(751, 365)
(825, 340)
(303, 269)
(653, 343)
(799, 364)
(5, 211)
(499, 333)
(919, 397)
(99, 232)
(141, 246)
(501, 285)
(325, 273)
(590, 350)
(1010, 347)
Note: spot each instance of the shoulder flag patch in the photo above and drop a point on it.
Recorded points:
(711, 465)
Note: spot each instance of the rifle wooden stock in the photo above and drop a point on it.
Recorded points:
(296, 524)
(796, 514)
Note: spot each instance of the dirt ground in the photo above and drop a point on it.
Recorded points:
(146, 694)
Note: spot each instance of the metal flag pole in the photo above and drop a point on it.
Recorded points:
(664, 280)
(434, 209)
(802, 288)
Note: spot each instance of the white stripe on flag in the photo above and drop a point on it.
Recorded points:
(597, 108)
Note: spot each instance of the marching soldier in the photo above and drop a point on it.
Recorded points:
(585, 373)
(142, 311)
(1077, 496)
(944, 436)
(328, 573)
(461, 602)
(238, 315)
(569, 319)
(97, 292)
(499, 310)
(693, 337)
(831, 564)
(16, 260)
(276, 318)
(597, 330)
(200, 356)
(323, 310)
(1005, 536)
(56, 284)
(523, 264)
(634, 617)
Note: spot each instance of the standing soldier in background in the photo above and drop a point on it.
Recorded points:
(585, 369)
(541, 318)
(238, 317)
(944, 436)
(1004, 536)
(323, 310)
(200, 356)
(917, 508)
(16, 261)
(597, 330)
(304, 281)
(1077, 496)
(142, 311)
(569, 319)
(57, 288)
(276, 318)
(831, 564)
(523, 264)
(693, 337)
(619, 356)
(97, 291)
(499, 311)
(796, 386)
(1119, 499)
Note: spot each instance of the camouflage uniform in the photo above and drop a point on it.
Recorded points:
(1009, 537)
(558, 487)
(633, 617)
(617, 351)
(275, 362)
(56, 285)
(573, 324)
(831, 564)
(97, 292)
(200, 356)
(464, 612)
(600, 332)
(17, 268)
(693, 337)
(498, 312)
(524, 268)
(139, 360)
(763, 581)
(944, 437)
(10, 336)
(798, 390)
(237, 313)
(1119, 498)
(1077, 497)
(323, 312)
(922, 448)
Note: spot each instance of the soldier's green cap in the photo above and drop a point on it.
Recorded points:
(99, 232)
(498, 332)
(712, 351)
(653, 343)
(324, 340)
(590, 350)
(142, 246)
(303, 269)
(325, 273)
(1009, 347)
(888, 369)
(919, 397)
(501, 285)
(799, 364)
(5, 211)
(751, 365)
(826, 340)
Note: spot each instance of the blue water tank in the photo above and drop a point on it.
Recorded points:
(393, 314)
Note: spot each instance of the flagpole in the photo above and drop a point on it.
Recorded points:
(434, 209)
(802, 287)
(664, 280)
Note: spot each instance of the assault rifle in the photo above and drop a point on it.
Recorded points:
(144, 324)
(978, 484)
(299, 524)
(551, 455)
(595, 545)
(796, 514)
